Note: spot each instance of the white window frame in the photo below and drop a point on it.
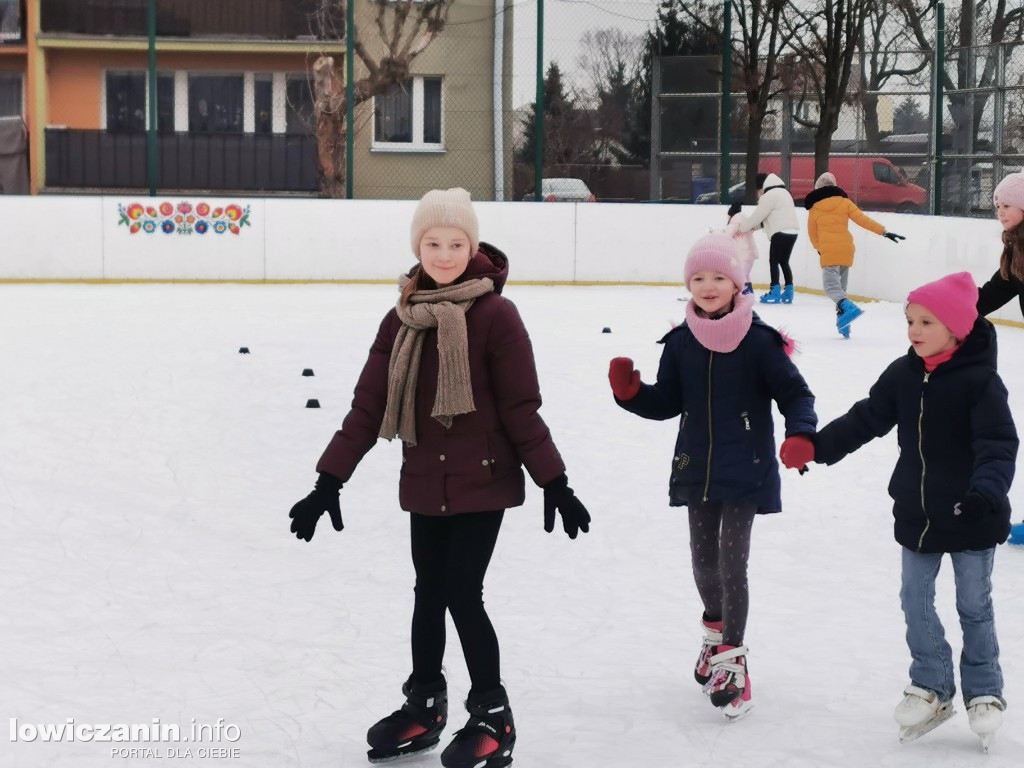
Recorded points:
(417, 144)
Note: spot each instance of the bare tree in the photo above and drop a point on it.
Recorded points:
(762, 39)
(826, 49)
(402, 30)
(611, 61)
(986, 21)
(885, 55)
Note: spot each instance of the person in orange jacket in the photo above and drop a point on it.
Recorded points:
(830, 211)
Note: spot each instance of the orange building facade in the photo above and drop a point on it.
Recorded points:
(233, 97)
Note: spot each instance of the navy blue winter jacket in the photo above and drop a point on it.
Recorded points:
(725, 450)
(956, 436)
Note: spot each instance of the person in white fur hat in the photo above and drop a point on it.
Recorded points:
(1008, 281)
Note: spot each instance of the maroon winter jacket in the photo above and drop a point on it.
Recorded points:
(476, 465)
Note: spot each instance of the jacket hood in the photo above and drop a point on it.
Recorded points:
(979, 348)
(824, 193)
(487, 262)
(772, 181)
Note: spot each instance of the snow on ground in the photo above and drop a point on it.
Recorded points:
(146, 473)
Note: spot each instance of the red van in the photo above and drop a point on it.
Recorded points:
(873, 183)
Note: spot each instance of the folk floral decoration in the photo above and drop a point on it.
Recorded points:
(184, 218)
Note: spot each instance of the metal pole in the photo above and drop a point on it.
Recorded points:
(151, 138)
(350, 91)
(655, 180)
(538, 123)
(940, 56)
(725, 134)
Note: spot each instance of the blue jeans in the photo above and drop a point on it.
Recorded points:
(932, 664)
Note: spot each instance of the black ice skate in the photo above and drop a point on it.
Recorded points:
(487, 739)
(414, 728)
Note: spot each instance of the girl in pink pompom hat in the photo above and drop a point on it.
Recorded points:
(1008, 281)
(720, 371)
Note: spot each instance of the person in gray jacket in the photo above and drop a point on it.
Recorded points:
(776, 214)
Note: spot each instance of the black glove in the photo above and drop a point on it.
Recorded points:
(973, 507)
(893, 236)
(735, 208)
(324, 498)
(558, 495)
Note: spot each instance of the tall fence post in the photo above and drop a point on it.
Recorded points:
(538, 122)
(655, 184)
(725, 132)
(940, 56)
(350, 91)
(151, 137)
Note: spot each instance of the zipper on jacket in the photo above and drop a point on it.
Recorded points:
(711, 438)
(746, 420)
(920, 451)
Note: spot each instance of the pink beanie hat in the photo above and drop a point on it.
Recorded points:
(953, 300)
(1010, 191)
(716, 252)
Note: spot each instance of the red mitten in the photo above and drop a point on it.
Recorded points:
(797, 451)
(625, 379)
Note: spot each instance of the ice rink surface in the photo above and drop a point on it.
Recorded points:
(146, 473)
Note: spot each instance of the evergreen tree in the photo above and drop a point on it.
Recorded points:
(909, 118)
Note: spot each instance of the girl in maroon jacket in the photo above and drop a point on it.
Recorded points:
(452, 374)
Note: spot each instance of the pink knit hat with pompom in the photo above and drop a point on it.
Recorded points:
(715, 252)
(952, 299)
(1010, 191)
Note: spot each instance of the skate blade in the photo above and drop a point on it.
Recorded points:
(987, 740)
(913, 732)
(732, 714)
(376, 756)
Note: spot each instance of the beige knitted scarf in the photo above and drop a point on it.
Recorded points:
(444, 309)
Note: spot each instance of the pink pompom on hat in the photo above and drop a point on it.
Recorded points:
(953, 300)
(1010, 191)
(715, 252)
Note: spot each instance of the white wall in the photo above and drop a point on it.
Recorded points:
(47, 238)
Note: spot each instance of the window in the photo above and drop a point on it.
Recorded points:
(126, 102)
(215, 104)
(127, 105)
(300, 105)
(10, 20)
(263, 103)
(10, 95)
(884, 174)
(408, 116)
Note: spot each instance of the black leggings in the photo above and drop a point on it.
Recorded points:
(719, 550)
(778, 256)
(451, 555)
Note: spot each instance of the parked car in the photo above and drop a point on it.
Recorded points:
(735, 195)
(873, 183)
(563, 191)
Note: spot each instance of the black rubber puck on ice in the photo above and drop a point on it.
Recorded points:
(606, 330)
(243, 350)
(314, 403)
(307, 371)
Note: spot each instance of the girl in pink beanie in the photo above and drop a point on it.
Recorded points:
(1008, 281)
(719, 372)
(958, 449)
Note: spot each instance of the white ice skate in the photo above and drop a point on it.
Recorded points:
(921, 711)
(985, 715)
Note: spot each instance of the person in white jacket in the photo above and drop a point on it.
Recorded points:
(776, 214)
(746, 248)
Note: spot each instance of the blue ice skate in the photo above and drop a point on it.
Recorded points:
(846, 313)
(1016, 536)
(774, 295)
(787, 294)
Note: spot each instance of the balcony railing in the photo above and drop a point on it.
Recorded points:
(232, 19)
(187, 161)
